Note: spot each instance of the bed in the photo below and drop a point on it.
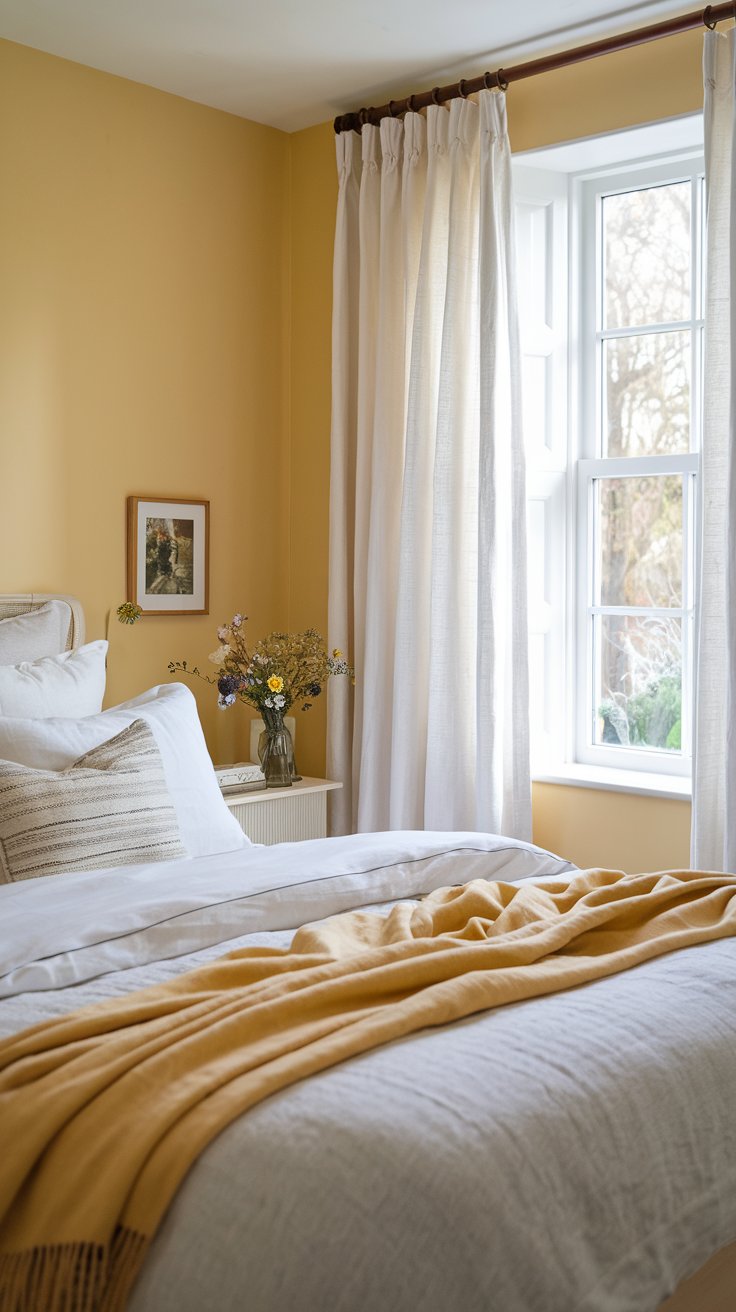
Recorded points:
(572, 1153)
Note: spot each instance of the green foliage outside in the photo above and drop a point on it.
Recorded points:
(652, 718)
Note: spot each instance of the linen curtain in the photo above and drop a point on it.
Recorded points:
(427, 503)
(714, 766)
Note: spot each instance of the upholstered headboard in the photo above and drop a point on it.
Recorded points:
(12, 604)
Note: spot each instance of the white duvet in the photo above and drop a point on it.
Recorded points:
(567, 1153)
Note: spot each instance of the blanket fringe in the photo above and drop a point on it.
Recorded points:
(72, 1277)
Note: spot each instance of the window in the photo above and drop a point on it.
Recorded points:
(611, 294)
(641, 340)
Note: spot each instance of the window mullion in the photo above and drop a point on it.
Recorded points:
(645, 330)
(639, 466)
(657, 612)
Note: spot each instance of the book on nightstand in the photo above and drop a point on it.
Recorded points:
(238, 778)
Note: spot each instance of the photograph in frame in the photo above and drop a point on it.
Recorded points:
(168, 549)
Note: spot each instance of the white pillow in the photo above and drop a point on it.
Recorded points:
(71, 684)
(41, 632)
(206, 825)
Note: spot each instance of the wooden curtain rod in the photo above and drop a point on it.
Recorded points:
(466, 86)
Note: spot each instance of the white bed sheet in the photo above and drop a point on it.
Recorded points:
(575, 1152)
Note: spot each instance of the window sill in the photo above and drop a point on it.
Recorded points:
(616, 781)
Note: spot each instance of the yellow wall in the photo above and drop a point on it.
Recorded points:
(636, 86)
(641, 85)
(143, 317)
(620, 831)
(314, 193)
(165, 301)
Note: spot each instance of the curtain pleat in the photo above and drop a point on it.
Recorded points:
(503, 799)
(412, 649)
(342, 471)
(431, 415)
(713, 845)
(369, 237)
(449, 785)
(384, 505)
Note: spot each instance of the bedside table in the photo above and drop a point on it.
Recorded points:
(283, 815)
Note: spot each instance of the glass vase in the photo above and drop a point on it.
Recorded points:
(276, 751)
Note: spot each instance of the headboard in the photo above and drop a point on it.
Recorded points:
(17, 603)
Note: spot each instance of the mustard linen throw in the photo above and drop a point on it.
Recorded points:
(103, 1112)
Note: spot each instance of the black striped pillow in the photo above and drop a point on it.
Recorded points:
(110, 808)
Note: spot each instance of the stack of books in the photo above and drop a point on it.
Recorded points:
(240, 778)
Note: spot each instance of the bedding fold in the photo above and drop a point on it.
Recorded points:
(104, 1111)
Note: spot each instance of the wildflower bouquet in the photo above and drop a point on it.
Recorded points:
(282, 669)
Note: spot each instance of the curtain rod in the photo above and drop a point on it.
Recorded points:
(466, 86)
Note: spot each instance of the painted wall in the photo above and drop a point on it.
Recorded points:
(165, 301)
(637, 86)
(314, 193)
(619, 831)
(143, 349)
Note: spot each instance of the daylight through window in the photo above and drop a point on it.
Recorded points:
(642, 357)
(611, 272)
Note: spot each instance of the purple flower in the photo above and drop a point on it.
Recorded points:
(224, 702)
(228, 685)
(237, 620)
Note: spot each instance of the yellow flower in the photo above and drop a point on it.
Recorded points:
(275, 683)
(337, 654)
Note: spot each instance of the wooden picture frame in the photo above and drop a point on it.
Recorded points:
(168, 555)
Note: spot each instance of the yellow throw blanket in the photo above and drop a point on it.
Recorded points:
(103, 1112)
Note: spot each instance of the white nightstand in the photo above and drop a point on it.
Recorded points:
(283, 815)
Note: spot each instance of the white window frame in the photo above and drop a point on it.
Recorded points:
(553, 182)
(654, 761)
(589, 192)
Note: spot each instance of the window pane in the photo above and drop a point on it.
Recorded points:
(646, 239)
(639, 682)
(639, 534)
(647, 397)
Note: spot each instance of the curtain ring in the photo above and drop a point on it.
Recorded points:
(490, 81)
(392, 108)
(362, 117)
(462, 88)
(410, 104)
(710, 23)
(435, 95)
(502, 81)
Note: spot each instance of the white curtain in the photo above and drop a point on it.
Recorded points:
(714, 774)
(427, 531)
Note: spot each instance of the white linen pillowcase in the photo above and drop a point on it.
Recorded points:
(69, 684)
(36, 633)
(206, 825)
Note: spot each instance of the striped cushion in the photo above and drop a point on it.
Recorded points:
(110, 808)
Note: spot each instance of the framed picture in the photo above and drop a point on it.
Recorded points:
(168, 555)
